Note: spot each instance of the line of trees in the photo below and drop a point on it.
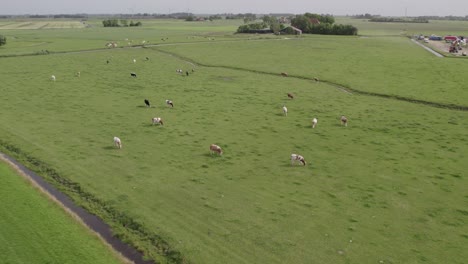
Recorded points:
(2, 40)
(120, 23)
(460, 18)
(254, 28)
(321, 24)
(398, 20)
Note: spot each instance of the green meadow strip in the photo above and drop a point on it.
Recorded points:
(349, 89)
(124, 227)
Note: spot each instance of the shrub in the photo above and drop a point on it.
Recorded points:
(2, 40)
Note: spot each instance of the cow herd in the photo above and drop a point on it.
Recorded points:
(297, 157)
(215, 149)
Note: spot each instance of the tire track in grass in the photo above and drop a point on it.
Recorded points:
(341, 87)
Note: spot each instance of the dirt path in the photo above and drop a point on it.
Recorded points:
(428, 49)
(103, 231)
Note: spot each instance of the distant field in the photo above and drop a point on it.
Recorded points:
(389, 188)
(385, 65)
(34, 230)
(436, 27)
(41, 25)
(28, 40)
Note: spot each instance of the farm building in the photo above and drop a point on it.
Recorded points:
(291, 31)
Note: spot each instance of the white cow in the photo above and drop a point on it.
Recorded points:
(157, 120)
(52, 78)
(134, 60)
(117, 142)
(298, 158)
(285, 110)
(314, 122)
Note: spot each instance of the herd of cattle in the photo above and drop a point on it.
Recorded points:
(215, 148)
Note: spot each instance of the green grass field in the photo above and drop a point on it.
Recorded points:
(35, 230)
(388, 188)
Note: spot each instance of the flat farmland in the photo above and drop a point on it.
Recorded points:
(437, 27)
(384, 65)
(389, 188)
(37, 40)
(41, 25)
(35, 230)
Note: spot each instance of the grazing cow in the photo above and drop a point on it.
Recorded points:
(316, 79)
(52, 78)
(108, 61)
(215, 148)
(132, 74)
(344, 121)
(147, 58)
(285, 110)
(298, 158)
(179, 71)
(284, 74)
(78, 74)
(157, 120)
(117, 142)
(290, 95)
(187, 73)
(147, 103)
(169, 102)
(314, 122)
(134, 60)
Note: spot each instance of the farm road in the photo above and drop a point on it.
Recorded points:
(91, 221)
(428, 49)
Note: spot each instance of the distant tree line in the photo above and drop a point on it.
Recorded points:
(273, 23)
(321, 24)
(2, 40)
(365, 16)
(260, 27)
(120, 23)
(70, 16)
(398, 20)
(459, 18)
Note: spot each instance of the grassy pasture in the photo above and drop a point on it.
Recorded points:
(27, 41)
(390, 187)
(31, 24)
(34, 230)
(436, 27)
(385, 65)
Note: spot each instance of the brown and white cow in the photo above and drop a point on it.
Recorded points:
(344, 121)
(298, 158)
(284, 74)
(215, 148)
(157, 120)
(290, 95)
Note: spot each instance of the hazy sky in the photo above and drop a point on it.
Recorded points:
(335, 7)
